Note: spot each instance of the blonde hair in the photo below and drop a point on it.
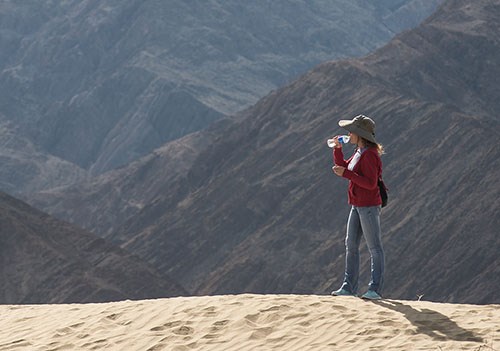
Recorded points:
(379, 147)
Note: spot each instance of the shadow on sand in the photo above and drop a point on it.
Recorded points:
(432, 323)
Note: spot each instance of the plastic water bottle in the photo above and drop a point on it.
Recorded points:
(343, 139)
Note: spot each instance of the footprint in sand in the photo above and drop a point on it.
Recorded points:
(252, 317)
(157, 347)
(371, 331)
(215, 329)
(261, 333)
(390, 323)
(67, 330)
(76, 325)
(110, 318)
(340, 308)
(210, 311)
(113, 316)
(15, 344)
(95, 344)
(184, 330)
(168, 325)
(219, 325)
(61, 332)
(276, 308)
(211, 336)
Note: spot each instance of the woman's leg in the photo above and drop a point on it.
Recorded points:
(352, 241)
(370, 224)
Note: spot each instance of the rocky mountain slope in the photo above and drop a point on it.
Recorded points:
(25, 166)
(103, 203)
(100, 83)
(43, 260)
(260, 210)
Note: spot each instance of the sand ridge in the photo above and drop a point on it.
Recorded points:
(251, 322)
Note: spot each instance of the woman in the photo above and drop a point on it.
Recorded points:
(362, 169)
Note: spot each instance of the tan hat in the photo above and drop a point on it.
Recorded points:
(360, 125)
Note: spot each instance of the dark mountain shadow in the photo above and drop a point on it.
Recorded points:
(432, 323)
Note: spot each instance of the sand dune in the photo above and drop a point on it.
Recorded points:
(251, 322)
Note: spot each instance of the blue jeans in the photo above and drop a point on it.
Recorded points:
(364, 221)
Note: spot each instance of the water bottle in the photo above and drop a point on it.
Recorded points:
(343, 139)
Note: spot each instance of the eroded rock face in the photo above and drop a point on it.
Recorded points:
(101, 83)
(44, 260)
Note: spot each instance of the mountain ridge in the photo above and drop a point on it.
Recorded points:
(45, 260)
(100, 84)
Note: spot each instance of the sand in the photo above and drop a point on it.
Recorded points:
(251, 322)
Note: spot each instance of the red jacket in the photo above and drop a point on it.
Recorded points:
(363, 179)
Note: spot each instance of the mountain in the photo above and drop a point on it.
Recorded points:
(100, 83)
(44, 260)
(256, 207)
(24, 165)
(104, 202)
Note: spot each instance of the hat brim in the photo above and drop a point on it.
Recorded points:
(349, 126)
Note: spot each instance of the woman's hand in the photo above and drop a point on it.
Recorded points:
(336, 142)
(338, 170)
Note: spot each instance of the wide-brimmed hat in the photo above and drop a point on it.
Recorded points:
(360, 125)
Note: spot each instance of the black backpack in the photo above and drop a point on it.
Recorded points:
(383, 192)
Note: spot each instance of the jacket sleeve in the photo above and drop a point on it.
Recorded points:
(338, 157)
(369, 168)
